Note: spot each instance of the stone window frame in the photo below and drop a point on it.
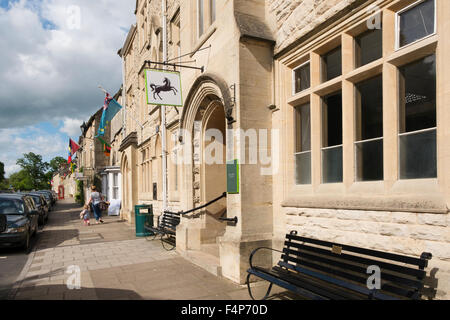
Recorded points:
(391, 60)
(174, 169)
(145, 170)
(397, 24)
(207, 18)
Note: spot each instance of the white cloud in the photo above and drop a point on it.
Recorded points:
(16, 142)
(71, 127)
(54, 73)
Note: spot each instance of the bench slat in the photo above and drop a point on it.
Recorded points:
(349, 277)
(263, 274)
(318, 286)
(355, 266)
(338, 282)
(380, 254)
(420, 274)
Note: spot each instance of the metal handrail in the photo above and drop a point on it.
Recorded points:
(224, 195)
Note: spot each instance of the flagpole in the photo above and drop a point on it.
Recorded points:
(163, 109)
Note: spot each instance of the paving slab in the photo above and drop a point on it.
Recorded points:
(114, 265)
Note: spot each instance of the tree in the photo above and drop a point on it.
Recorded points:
(21, 181)
(34, 171)
(2, 172)
(55, 164)
(3, 181)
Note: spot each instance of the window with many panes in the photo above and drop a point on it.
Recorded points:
(303, 144)
(379, 83)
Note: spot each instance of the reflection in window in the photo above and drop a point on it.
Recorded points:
(418, 119)
(369, 47)
(369, 130)
(303, 144)
(302, 78)
(332, 64)
(332, 169)
(416, 23)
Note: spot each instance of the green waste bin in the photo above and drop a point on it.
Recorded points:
(143, 219)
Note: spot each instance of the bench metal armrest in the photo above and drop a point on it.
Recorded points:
(256, 250)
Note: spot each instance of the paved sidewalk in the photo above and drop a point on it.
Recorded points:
(113, 264)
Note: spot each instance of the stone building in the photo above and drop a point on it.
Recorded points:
(111, 175)
(91, 159)
(334, 110)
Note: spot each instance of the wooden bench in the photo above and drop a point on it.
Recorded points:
(322, 270)
(167, 228)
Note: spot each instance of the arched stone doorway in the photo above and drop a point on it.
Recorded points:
(204, 124)
(211, 172)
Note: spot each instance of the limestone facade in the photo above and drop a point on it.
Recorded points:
(391, 213)
(249, 53)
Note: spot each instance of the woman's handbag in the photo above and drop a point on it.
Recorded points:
(103, 205)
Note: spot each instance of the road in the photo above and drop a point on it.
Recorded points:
(12, 262)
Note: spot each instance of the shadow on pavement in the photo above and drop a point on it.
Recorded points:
(53, 238)
(62, 292)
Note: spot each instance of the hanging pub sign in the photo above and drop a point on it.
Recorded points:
(163, 87)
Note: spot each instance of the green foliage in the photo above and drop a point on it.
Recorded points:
(55, 164)
(2, 172)
(79, 196)
(21, 181)
(4, 183)
(34, 172)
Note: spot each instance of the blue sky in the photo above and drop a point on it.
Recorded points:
(58, 52)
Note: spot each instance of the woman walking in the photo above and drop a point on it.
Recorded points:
(95, 200)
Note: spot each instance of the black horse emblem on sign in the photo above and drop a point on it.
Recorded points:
(164, 88)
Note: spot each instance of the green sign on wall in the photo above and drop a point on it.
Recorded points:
(233, 177)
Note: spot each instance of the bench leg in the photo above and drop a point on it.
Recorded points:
(250, 289)
(168, 248)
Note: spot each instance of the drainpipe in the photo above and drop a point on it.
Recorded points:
(163, 109)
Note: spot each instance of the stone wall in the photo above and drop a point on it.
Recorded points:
(295, 18)
(396, 232)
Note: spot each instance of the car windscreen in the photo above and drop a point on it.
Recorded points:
(37, 200)
(11, 206)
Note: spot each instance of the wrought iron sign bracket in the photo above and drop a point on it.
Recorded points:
(202, 69)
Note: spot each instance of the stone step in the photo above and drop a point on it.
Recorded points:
(212, 249)
(205, 261)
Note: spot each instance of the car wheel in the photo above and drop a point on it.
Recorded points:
(26, 244)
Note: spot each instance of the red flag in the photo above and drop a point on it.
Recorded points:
(73, 146)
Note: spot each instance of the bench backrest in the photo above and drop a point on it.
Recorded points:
(350, 266)
(170, 220)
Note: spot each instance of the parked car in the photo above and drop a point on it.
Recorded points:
(41, 205)
(21, 220)
(50, 193)
(55, 195)
(48, 198)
